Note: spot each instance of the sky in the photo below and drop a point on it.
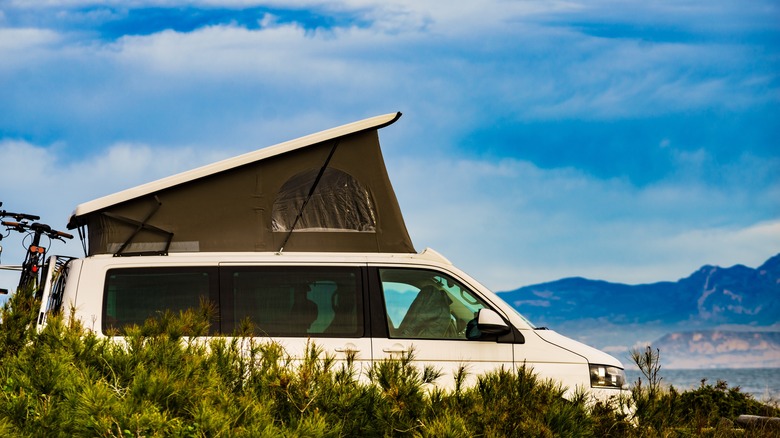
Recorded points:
(628, 141)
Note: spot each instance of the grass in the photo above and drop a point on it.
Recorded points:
(64, 380)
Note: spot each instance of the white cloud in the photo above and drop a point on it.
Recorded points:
(509, 66)
(24, 48)
(43, 181)
(56, 177)
(749, 245)
(221, 51)
(507, 223)
(512, 224)
(142, 102)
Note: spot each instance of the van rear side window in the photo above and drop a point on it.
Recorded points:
(290, 301)
(134, 295)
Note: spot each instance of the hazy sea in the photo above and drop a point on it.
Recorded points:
(762, 383)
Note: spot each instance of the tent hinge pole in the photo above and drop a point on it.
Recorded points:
(142, 225)
(308, 197)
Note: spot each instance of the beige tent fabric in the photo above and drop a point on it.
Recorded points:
(253, 207)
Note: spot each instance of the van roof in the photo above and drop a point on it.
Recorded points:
(427, 255)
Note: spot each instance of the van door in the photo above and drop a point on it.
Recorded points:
(427, 313)
(298, 306)
(55, 274)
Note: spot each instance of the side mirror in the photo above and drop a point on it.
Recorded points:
(487, 323)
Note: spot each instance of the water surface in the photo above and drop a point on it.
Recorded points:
(762, 383)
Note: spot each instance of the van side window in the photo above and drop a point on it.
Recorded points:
(132, 295)
(422, 304)
(294, 301)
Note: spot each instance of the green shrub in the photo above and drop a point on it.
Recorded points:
(16, 317)
(706, 406)
(161, 379)
(705, 411)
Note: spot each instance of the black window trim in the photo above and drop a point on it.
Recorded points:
(226, 299)
(215, 328)
(375, 323)
(379, 318)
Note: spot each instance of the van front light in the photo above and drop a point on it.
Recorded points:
(605, 376)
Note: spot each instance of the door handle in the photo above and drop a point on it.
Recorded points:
(348, 349)
(396, 349)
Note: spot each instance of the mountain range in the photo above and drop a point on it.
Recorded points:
(716, 317)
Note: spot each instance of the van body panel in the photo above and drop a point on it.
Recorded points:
(357, 350)
(393, 310)
(448, 356)
(536, 350)
(593, 355)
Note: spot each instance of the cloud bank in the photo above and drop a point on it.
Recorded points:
(607, 139)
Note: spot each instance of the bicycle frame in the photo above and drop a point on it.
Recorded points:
(36, 254)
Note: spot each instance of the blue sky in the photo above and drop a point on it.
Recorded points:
(616, 140)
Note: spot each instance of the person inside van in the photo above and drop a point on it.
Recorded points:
(304, 311)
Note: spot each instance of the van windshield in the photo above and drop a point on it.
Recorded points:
(526, 320)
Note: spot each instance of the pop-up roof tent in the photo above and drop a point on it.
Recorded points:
(327, 191)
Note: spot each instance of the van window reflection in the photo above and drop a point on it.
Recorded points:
(295, 301)
(423, 304)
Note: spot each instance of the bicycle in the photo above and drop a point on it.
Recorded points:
(36, 254)
(17, 216)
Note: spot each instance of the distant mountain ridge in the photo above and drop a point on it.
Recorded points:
(615, 316)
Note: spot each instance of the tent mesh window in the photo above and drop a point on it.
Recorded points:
(338, 203)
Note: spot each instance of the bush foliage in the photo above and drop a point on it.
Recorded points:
(162, 380)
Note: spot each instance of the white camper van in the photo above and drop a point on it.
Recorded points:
(305, 240)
